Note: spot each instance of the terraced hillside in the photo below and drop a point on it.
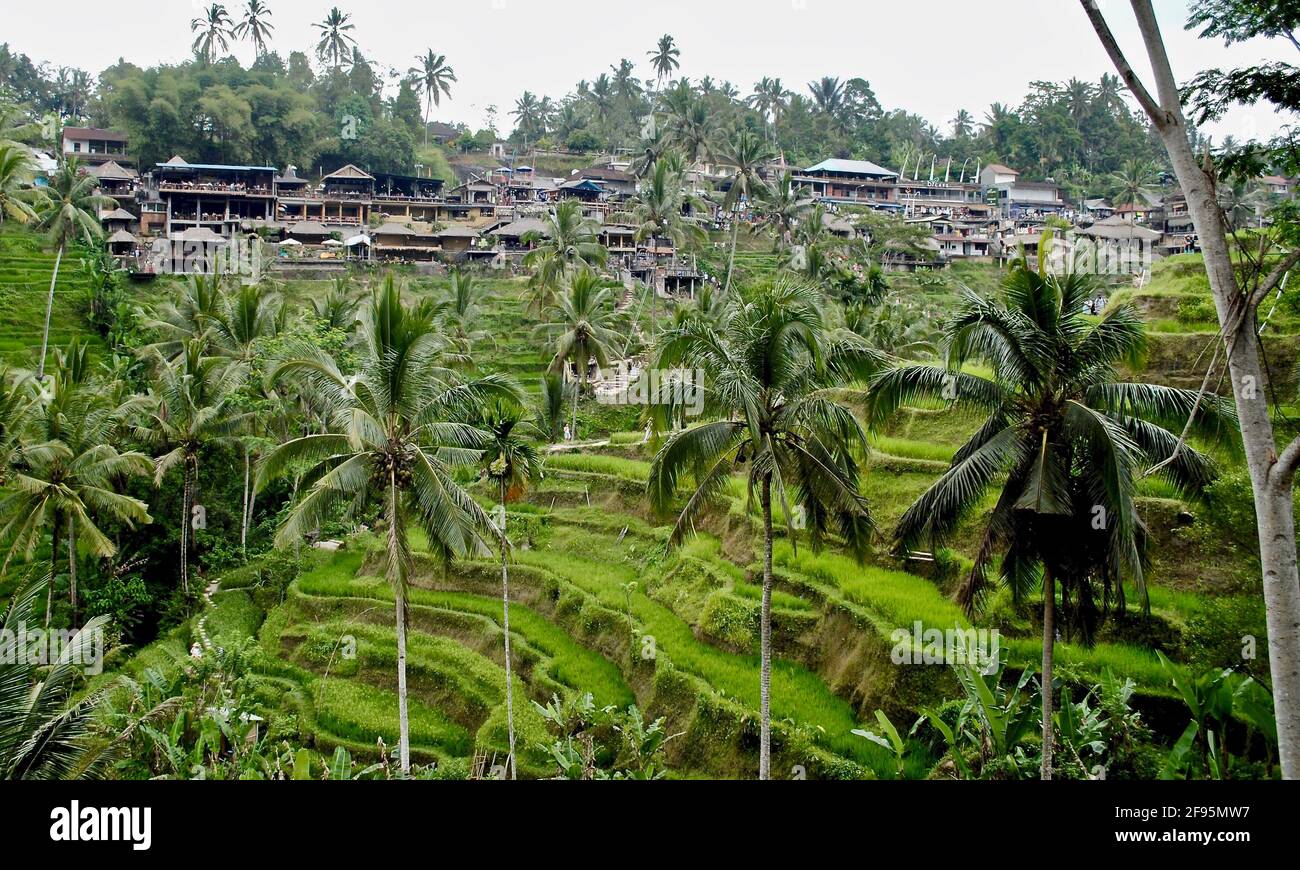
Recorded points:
(25, 272)
(601, 605)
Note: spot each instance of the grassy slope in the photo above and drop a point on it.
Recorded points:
(579, 621)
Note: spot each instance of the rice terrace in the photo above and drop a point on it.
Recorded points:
(429, 394)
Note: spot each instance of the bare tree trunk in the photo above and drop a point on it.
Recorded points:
(54, 568)
(765, 680)
(397, 578)
(49, 309)
(186, 519)
(1272, 475)
(1049, 649)
(735, 240)
(243, 525)
(72, 567)
(505, 604)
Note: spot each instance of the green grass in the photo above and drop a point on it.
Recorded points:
(797, 694)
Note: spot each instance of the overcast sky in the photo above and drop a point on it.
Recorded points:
(932, 57)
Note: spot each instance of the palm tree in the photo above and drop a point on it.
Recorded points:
(692, 131)
(550, 409)
(459, 314)
(659, 211)
(336, 41)
(214, 31)
(580, 330)
(527, 114)
(782, 207)
(828, 95)
(17, 196)
(769, 370)
(769, 100)
(396, 432)
(1133, 183)
(17, 402)
(963, 125)
(68, 212)
(747, 155)
(512, 463)
(569, 242)
(191, 408)
(337, 309)
(434, 78)
(42, 736)
(1063, 440)
(256, 25)
(67, 480)
(192, 316)
(246, 317)
(665, 59)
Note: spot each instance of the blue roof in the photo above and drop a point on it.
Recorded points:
(218, 166)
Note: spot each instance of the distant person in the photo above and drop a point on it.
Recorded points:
(568, 434)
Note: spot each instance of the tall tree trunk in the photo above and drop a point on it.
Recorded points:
(186, 519)
(72, 567)
(505, 604)
(54, 566)
(1049, 649)
(765, 680)
(1272, 475)
(243, 516)
(735, 240)
(49, 310)
(397, 578)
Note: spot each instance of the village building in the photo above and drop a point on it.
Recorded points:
(851, 182)
(93, 145)
(215, 197)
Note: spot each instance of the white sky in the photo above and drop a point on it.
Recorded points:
(932, 57)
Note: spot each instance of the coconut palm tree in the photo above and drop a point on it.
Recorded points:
(42, 735)
(66, 480)
(665, 58)
(581, 330)
(569, 243)
(338, 309)
(17, 196)
(336, 41)
(1064, 443)
(1133, 183)
(551, 405)
(769, 99)
(782, 207)
(459, 314)
(693, 131)
(768, 372)
(398, 428)
(528, 117)
(214, 31)
(191, 407)
(963, 125)
(17, 402)
(256, 26)
(746, 155)
(68, 212)
(658, 211)
(828, 95)
(434, 78)
(511, 463)
(192, 316)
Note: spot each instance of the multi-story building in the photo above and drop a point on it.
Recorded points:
(93, 145)
(851, 182)
(213, 197)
